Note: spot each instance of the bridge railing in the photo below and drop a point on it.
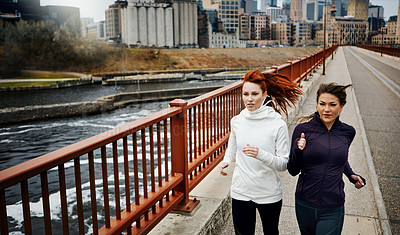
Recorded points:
(133, 175)
(393, 51)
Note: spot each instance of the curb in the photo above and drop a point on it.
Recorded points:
(382, 215)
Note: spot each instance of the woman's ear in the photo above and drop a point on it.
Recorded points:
(265, 94)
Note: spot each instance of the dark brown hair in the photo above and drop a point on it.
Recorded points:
(285, 92)
(333, 89)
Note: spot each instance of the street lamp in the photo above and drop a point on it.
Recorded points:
(333, 11)
(323, 53)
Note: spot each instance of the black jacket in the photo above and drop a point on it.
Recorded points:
(322, 162)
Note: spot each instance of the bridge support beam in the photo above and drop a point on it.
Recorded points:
(179, 152)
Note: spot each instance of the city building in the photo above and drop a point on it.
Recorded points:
(248, 6)
(227, 40)
(84, 24)
(22, 9)
(274, 13)
(313, 9)
(389, 34)
(306, 32)
(113, 21)
(284, 33)
(168, 25)
(286, 8)
(392, 25)
(228, 11)
(254, 27)
(263, 4)
(96, 31)
(341, 7)
(64, 16)
(345, 31)
(30, 10)
(375, 18)
(296, 12)
(208, 23)
(358, 9)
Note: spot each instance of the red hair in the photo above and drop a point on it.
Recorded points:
(285, 92)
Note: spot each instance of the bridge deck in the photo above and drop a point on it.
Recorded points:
(370, 210)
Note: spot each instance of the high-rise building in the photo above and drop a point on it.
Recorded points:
(254, 27)
(113, 21)
(284, 33)
(25, 9)
(263, 4)
(286, 8)
(296, 12)
(84, 24)
(313, 9)
(305, 32)
(96, 31)
(339, 7)
(228, 11)
(358, 9)
(375, 17)
(249, 6)
(273, 12)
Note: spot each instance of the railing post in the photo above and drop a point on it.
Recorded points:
(179, 154)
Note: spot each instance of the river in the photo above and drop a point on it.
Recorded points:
(22, 142)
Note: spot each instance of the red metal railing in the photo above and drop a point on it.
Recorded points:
(393, 51)
(160, 159)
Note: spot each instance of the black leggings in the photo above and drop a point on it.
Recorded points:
(244, 216)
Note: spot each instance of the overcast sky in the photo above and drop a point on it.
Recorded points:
(95, 8)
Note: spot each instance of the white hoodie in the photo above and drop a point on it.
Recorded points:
(257, 179)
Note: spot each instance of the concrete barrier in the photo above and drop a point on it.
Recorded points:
(103, 104)
(147, 96)
(42, 112)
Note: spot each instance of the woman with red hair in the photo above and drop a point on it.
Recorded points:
(259, 142)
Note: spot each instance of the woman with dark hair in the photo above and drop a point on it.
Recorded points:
(319, 152)
(259, 141)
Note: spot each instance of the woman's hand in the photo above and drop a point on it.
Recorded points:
(302, 141)
(222, 166)
(250, 151)
(360, 183)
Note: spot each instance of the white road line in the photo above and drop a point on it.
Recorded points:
(374, 178)
(383, 78)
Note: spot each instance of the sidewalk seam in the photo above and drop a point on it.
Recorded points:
(382, 215)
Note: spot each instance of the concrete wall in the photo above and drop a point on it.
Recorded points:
(103, 104)
(41, 112)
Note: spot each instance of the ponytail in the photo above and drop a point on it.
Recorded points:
(283, 91)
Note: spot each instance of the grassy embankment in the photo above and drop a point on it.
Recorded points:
(28, 77)
(174, 59)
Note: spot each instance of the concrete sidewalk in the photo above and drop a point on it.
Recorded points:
(361, 207)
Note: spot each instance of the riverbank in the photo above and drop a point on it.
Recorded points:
(103, 104)
(130, 62)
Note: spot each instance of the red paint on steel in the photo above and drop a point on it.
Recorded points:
(93, 204)
(63, 199)
(46, 202)
(116, 181)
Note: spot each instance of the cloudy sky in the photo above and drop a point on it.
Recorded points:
(96, 8)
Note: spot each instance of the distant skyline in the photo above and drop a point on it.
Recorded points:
(96, 8)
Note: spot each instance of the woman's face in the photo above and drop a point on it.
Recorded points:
(329, 108)
(253, 96)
